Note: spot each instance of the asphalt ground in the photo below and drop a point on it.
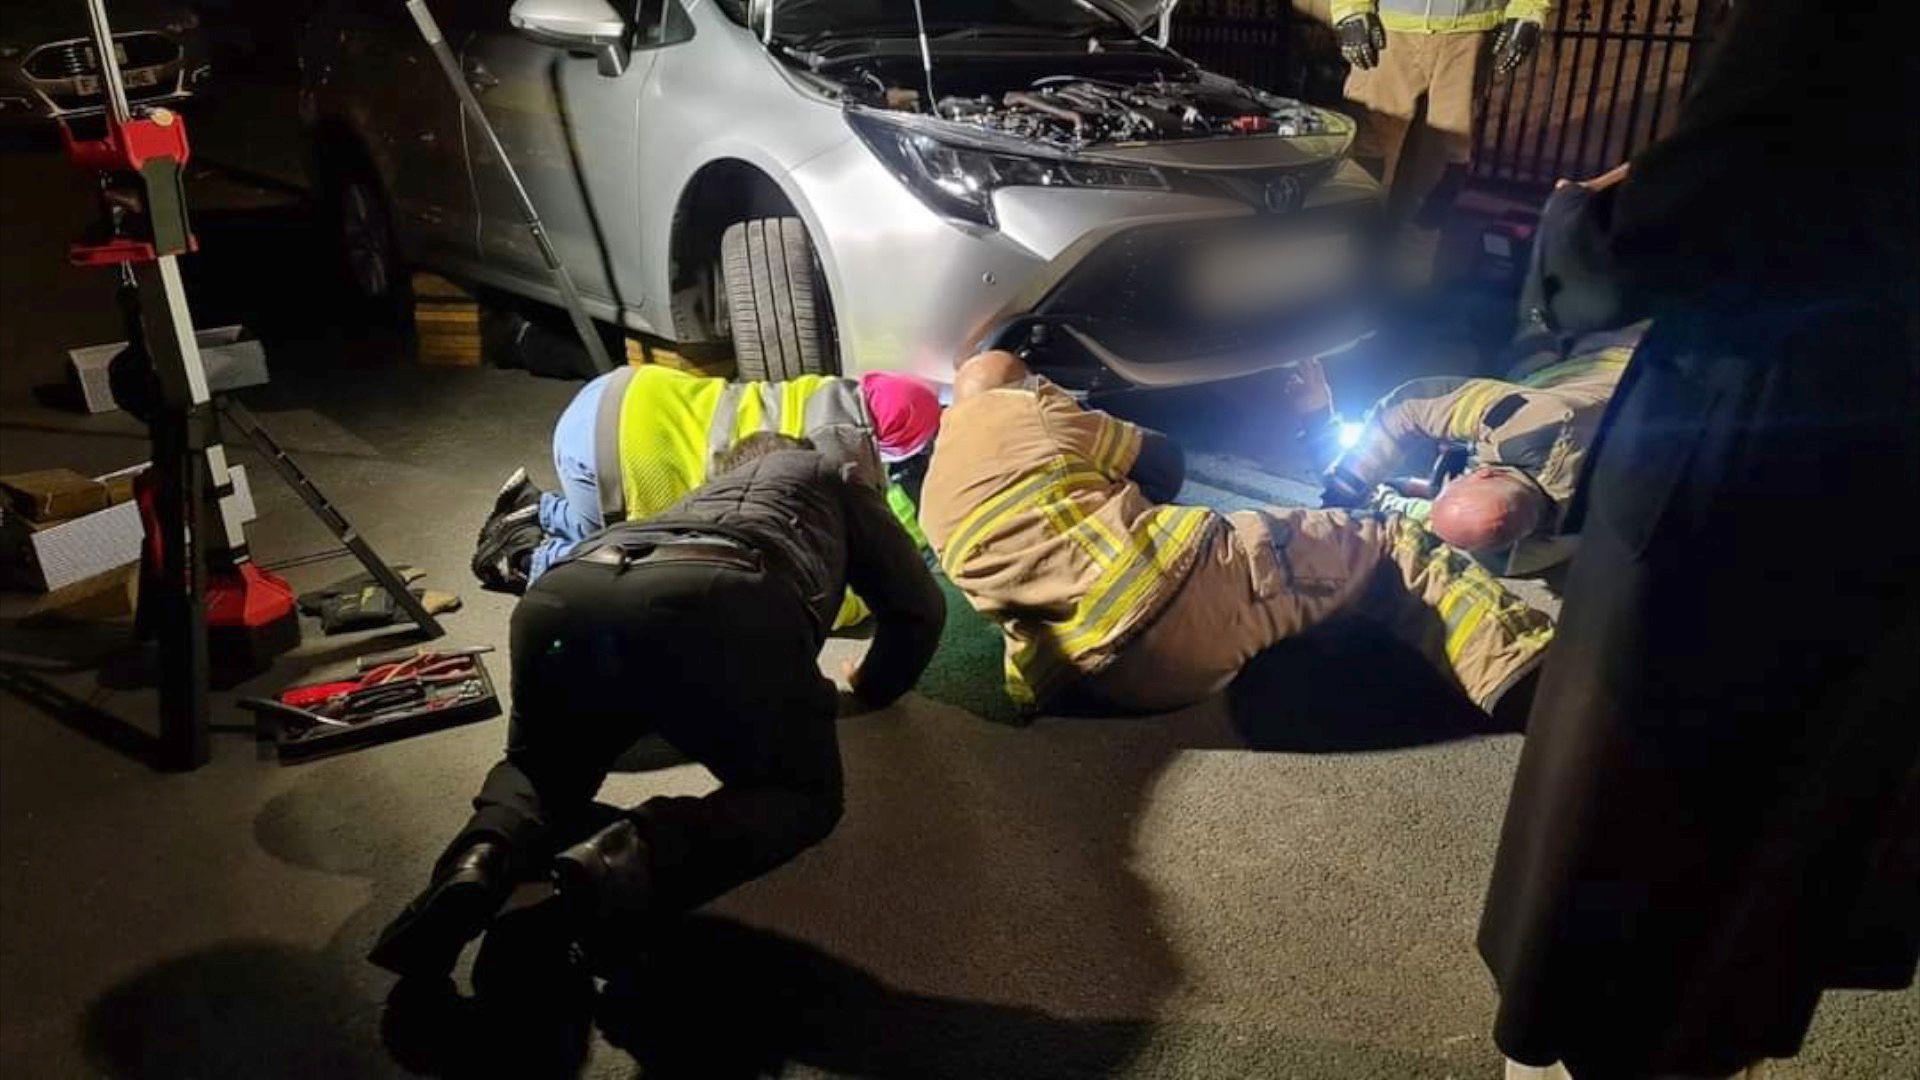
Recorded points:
(1283, 882)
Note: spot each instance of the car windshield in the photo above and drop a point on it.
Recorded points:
(805, 19)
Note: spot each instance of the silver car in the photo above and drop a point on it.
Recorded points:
(837, 186)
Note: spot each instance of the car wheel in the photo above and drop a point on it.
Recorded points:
(371, 270)
(776, 302)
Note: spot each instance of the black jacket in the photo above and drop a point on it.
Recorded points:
(823, 533)
(1716, 814)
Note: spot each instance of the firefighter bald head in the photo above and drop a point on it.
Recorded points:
(989, 370)
(1488, 509)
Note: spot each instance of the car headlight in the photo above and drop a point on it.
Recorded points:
(956, 175)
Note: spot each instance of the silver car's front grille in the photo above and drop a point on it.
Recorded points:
(1137, 285)
(70, 59)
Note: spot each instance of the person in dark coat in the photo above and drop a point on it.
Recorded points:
(1716, 814)
(702, 624)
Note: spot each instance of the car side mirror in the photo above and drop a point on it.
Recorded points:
(581, 26)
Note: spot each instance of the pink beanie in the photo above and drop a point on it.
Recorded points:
(906, 412)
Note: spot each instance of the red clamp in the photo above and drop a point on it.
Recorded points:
(153, 148)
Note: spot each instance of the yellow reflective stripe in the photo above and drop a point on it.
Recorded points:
(1070, 520)
(1460, 630)
(1156, 547)
(1100, 441)
(1112, 446)
(1154, 551)
(1476, 397)
(793, 405)
(1469, 595)
(1126, 442)
(1114, 544)
(1063, 474)
(664, 421)
(750, 415)
(1610, 357)
(1028, 678)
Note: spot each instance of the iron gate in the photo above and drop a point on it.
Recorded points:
(1251, 40)
(1606, 80)
(1603, 84)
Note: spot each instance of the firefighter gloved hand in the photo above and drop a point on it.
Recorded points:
(1362, 39)
(1512, 44)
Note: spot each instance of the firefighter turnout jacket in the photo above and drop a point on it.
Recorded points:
(1028, 504)
(1538, 422)
(1153, 606)
(1441, 16)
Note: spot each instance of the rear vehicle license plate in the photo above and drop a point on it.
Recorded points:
(138, 77)
(1256, 274)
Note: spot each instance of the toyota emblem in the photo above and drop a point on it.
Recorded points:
(1283, 194)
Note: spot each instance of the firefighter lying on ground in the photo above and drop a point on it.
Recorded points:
(1525, 439)
(656, 428)
(1056, 521)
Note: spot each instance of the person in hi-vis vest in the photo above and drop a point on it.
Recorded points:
(657, 430)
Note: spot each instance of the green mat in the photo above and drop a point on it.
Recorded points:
(966, 671)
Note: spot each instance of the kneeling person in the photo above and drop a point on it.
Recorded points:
(1053, 519)
(702, 624)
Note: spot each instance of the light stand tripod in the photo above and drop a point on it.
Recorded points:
(139, 165)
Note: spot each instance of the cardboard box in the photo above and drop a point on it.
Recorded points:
(234, 359)
(44, 557)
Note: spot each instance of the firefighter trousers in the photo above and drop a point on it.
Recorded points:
(1263, 576)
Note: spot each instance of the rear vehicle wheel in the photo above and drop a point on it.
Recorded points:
(371, 271)
(776, 301)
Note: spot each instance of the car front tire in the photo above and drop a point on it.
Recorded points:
(777, 304)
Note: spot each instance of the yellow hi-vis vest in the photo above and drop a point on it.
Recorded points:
(1441, 16)
(659, 428)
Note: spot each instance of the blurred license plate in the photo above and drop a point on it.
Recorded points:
(1244, 276)
(138, 77)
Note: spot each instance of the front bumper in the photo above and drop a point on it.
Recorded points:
(1080, 280)
(1133, 308)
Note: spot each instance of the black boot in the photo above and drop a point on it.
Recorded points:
(606, 886)
(426, 938)
(504, 553)
(516, 492)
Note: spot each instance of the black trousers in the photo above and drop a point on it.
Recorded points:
(722, 662)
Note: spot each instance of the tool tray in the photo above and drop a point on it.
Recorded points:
(440, 707)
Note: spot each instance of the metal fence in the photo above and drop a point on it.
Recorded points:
(1251, 40)
(1606, 81)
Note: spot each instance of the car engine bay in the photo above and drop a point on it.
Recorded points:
(1071, 112)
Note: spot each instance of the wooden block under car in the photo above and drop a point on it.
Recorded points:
(48, 495)
(446, 323)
